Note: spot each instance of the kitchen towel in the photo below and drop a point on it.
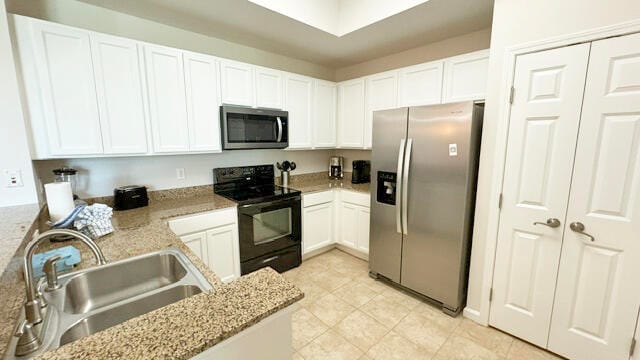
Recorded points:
(59, 200)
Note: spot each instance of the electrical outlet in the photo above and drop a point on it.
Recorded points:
(180, 173)
(12, 178)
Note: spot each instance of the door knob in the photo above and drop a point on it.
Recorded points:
(551, 222)
(579, 228)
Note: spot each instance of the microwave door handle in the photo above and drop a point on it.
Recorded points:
(405, 187)
(279, 121)
(399, 187)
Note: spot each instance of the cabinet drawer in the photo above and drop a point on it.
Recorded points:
(356, 198)
(317, 198)
(200, 222)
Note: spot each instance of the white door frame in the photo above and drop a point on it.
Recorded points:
(504, 113)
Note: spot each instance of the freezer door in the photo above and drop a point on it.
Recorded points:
(385, 241)
(437, 211)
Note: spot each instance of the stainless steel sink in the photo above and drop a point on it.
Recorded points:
(93, 300)
(121, 313)
(109, 284)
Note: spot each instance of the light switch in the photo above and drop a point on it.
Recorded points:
(453, 149)
(180, 173)
(12, 178)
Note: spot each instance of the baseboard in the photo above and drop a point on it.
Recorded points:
(350, 251)
(473, 314)
(322, 250)
(316, 252)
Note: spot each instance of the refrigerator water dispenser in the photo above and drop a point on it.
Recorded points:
(386, 192)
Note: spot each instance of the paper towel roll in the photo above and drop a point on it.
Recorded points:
(59, 200)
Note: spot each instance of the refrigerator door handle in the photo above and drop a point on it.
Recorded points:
(399, 187)
(405, 187)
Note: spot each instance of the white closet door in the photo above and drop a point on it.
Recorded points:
(298, 100)
(63, 60)
(598, 290)
(543, 127)
(325, 112)
(167, 99)
(116, 64)
(202, 83)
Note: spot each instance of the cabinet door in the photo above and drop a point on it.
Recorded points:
(382, 94)
(197, 243)
(167, 99)
(63, 61)
(421, 84)
(598, 294)
(237, 84)
(223, 252)
(119, 87)
(202, 83)
(351, 114)
(542, 136)
(299, 97)
(363, 229)
(269, 89)
(348, 225)
(325, 112)
(465, 77)
(317, 226)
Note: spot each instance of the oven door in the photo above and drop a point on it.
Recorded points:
(268, 227)
(246, 128)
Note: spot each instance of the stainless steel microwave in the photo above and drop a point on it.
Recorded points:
(249, 128)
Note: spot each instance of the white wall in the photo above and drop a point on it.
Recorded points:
(321, 14)
(517, 22)
(355, 14)
(99, 176)
(14, 150)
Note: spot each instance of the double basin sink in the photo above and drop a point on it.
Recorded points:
(98, 298)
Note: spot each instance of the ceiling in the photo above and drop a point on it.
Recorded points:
(247, 23)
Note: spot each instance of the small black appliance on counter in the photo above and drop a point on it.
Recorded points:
(130, 197)
(361, 172)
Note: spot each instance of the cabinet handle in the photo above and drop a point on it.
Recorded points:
(579, 228)
(551, 222)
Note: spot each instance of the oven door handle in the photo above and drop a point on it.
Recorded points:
(279, 121)
(269, 203)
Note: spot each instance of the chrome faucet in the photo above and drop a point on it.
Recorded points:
(30, 341)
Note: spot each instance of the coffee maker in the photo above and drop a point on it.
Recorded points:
(361, 172)
(336, 166)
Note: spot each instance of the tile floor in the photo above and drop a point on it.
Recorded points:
(347, 315)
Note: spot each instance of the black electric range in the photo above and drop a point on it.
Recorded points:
(269, 217)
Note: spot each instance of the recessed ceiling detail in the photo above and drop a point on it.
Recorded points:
(376, 28)
(338, 17)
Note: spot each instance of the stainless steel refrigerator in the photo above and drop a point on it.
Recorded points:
(424, 166)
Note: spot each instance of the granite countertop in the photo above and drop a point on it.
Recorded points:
(180, 330)
(15, 224)
(315, 182)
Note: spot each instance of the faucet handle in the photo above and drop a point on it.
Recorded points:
(51, 272)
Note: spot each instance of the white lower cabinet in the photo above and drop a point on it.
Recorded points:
(222, 251)
(335, 217)
(213, 237)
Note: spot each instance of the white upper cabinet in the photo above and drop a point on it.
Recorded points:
(465, 77)
(351, 104)
(269, 89)
(382, 93)
(237, 83)
(167, 99)
(420, 84)
(203, 100)
(119, 87)
(325, 113)
(299, 99)
(64, 66)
